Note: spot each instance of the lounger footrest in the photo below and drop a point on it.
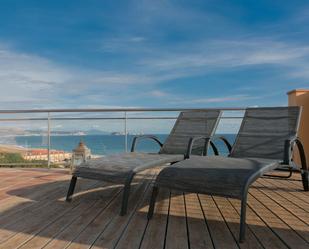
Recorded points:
(214, 175)
(116, 168)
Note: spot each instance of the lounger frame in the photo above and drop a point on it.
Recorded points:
(287, 160)
(214, 114)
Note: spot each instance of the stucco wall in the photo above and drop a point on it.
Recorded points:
(301, 98)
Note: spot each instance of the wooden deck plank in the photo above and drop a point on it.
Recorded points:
(38, 199)
(29, 179)
(292, 192)
(233, 218)
(133, 234)
(295, 210)
(46, 235)
(288, 218)
(31, 222)
(286, 198)
(10, 180)
(199, 235)
(276, 224)
(28, 195)
(30, 206)
(66, 236)
(176, 236)
(154, 236)
(220, 233)
(259, 228)
(115, 229)
(294, 187)
(85, 238)
(101, 222)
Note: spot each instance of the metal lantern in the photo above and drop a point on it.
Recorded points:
(80, 154)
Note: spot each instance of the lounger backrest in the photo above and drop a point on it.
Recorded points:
(264, 130)
(190, 124)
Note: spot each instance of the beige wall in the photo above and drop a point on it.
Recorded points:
(300, 97)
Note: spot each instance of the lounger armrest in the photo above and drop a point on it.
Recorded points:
(224, 140)
(137, 138)
(206, 145)
(288, 155)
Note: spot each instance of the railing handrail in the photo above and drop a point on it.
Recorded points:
(14, 111)
(102, 118)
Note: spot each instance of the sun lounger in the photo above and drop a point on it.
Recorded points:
(121, 168)
(264, 143)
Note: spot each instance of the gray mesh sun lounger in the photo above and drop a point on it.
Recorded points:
(121, 168)
(264, 143)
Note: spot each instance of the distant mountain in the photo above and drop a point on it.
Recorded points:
(96, 132)
(61, 132)
(6, 131)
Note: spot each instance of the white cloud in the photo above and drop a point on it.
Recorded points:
(208, 100)
(121, 43)
(222, 99)
(225, 54)
(30, 81)
(158, 93)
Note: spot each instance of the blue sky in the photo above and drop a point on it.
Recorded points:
(143, 53)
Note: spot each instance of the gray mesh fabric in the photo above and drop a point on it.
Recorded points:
(117, 167)
(264, 130)
(190, 124)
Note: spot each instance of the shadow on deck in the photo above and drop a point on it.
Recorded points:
(33, 214)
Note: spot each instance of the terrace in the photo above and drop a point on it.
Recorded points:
(34, 214)
(202, 83)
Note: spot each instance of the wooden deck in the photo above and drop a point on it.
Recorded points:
(33, 214)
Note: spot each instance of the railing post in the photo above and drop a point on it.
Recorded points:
(48, 140)
(125, 132)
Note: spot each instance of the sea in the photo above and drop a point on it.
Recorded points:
(102, 144)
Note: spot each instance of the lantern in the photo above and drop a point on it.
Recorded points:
(80, 154)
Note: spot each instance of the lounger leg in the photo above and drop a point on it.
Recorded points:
(304, 166)
(71, 188)
(125, 196)
(154, 195)
(242, 231)
(305, 179)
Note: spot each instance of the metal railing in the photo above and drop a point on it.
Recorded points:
(125, 111)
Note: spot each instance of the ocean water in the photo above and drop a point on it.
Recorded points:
(101, 144)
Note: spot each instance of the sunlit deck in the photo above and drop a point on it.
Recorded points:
(33, 214)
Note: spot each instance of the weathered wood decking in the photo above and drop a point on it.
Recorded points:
(33, 214)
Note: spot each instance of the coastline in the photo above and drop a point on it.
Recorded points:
(8, 148)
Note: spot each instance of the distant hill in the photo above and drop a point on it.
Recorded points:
(12, 149)
(64, 133)
(96, 132)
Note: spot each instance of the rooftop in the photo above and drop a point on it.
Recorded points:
(33, 214)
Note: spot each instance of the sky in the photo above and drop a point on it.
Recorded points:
(145, 53)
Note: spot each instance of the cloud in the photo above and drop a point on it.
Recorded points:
(32, 81)
(225, 54)
(158, 93)
(209, 100)
(27, 78)
(222, 99)
(121, 43)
